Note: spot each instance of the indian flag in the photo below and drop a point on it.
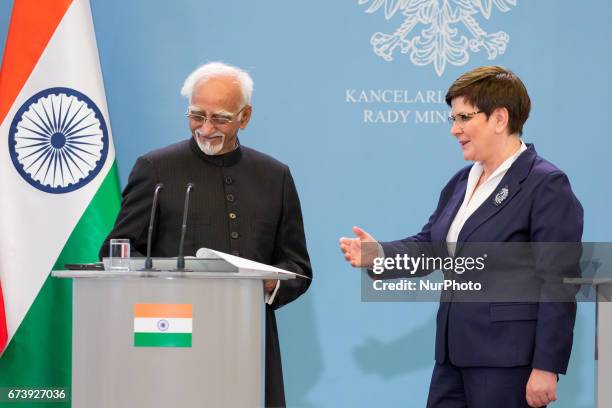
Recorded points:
(162, 325)
(60, 191)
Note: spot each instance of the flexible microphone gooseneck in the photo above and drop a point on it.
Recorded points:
(180, 260)
(149, 260)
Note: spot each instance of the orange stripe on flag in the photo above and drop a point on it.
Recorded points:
(33, 22)
(162, 310)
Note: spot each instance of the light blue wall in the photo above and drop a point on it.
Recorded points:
(303, 55)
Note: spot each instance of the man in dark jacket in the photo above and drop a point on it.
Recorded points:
(244, 202)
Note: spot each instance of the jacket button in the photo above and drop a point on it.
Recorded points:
(235, 235)
(232, 216)
(230, 198)
(229, 180)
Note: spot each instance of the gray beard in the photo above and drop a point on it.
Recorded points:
(208, 148)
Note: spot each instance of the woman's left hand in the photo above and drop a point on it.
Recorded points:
(541, 388)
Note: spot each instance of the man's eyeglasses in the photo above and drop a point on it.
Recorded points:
(216, 119)
(462, 118)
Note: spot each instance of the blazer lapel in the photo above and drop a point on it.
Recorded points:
(507, 188)
(442, 225)
(491, 206)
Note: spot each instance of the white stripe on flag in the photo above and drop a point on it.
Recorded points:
(162, 325)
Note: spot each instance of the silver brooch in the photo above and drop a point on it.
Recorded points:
(501, 196)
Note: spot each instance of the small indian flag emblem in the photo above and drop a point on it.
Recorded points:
(162, 325)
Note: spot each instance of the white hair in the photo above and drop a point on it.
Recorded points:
(219, 69)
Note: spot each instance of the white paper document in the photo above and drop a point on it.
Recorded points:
(244, 265)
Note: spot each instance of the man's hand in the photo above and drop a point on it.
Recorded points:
(269, 286)
(541, 388)
(355, 252)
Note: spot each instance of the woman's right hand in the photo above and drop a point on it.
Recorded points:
(360, 251)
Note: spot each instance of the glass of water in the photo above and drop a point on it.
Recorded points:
(119, 256)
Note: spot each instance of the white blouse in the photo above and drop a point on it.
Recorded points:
(474, 197)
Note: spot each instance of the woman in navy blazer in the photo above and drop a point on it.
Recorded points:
(491, 353)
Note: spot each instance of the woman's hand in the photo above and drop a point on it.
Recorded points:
(360, 251)
(541, 388)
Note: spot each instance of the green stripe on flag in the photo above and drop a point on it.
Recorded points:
(162, 339)
(40, 353)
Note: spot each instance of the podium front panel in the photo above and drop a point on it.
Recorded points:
(222, 367)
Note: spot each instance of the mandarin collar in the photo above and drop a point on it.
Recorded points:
(221, 160)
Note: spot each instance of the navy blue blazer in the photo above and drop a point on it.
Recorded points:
(540, 207)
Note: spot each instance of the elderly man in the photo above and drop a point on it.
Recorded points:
(244, 202)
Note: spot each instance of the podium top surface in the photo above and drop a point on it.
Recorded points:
(588, 281)
(208, 264)
(119, 274)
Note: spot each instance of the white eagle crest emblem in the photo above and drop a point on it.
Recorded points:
(440, 41)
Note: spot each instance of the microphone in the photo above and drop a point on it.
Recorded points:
(180, 260)
(149, 260)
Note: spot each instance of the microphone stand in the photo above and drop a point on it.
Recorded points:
(149, 260)
(180, 260)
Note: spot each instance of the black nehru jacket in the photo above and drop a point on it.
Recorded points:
(243, 203)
